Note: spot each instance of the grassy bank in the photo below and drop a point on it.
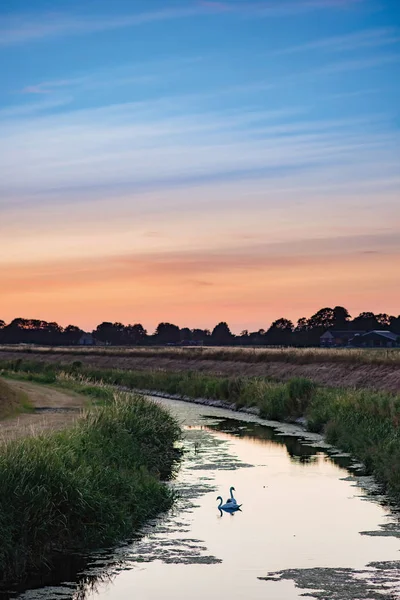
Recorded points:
(352, 356)
(86, 486)
(11, 401)
(362, 422)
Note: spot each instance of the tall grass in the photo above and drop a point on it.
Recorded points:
(365, 423)
(86, 486)
(354, 356)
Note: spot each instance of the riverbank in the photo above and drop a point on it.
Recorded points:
(363, 422)
(369, 369)
(12, 401)
(89, 485)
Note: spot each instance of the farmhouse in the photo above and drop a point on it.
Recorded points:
(335, 338)
(377, 339)
(86, 339)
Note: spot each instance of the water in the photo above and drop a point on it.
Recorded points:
(308, 524)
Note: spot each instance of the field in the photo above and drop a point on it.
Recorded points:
(371, 369)
(352, 356)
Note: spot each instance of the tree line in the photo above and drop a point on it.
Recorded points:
(282, 332)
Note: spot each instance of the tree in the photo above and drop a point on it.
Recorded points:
(302, 324)
(383, 320)
(280, 333)
(185, 334)
(221, 335)
(366, 321)
(110, 333)
(135, 334)
(200, 335)
(323, 319)
(395, 324)
(71, 334)
(341, 317)
(167, 333)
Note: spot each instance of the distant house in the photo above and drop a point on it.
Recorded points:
(377, 339)
(334, 338)
(86, 339)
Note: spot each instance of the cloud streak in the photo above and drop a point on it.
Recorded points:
(353, 41)
(18, 29)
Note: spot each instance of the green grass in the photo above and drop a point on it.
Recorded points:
(87, 486)
(12, 402)
(353, 356)
(363, 422)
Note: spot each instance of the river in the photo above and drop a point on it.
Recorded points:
(310, 523)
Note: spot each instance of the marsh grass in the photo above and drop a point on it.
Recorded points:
(363, 422)
(353, 356)
(89, 485)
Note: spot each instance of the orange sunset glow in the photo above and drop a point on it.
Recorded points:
(240, 170)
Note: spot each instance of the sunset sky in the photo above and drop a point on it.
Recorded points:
(197, 161)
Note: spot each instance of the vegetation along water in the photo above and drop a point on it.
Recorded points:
(89, 485)
(362, 422)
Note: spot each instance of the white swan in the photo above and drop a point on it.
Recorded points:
(232, 499)
(228, 506)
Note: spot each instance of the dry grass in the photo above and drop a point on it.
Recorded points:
(251, 355)
(11, 401)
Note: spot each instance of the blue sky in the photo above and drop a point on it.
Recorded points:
(210, 117)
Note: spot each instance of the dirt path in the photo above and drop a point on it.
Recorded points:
(53, 409)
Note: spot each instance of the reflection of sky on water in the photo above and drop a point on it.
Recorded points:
(300, 513)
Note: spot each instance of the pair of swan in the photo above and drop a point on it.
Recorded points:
(230, 505)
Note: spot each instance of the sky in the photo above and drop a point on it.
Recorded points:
(194, 161)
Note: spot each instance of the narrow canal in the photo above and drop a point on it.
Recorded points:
(310, 524)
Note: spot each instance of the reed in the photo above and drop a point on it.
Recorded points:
(363, 422)
(87, 486)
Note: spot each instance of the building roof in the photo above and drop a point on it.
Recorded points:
(344, 332)
(386, 334)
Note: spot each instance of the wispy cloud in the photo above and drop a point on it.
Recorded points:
(351, 41)
(17, 28)
(122, 145)
(31, 108)
(141, 73)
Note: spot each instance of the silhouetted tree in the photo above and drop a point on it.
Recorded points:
(135, 334)
(71, 334)
(221, 335)
(322, 319)
(366, 321)
(280, 333)
(383, 320)
(167, 333)
(302, 324)
(395, 324)
(200, 335)
(341, 317)
(185, 334)
(110, 333)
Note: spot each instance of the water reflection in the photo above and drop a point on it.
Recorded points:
(193, 533)
(298, 450)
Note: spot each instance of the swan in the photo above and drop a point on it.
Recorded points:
(228, 506)
(232, 498)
